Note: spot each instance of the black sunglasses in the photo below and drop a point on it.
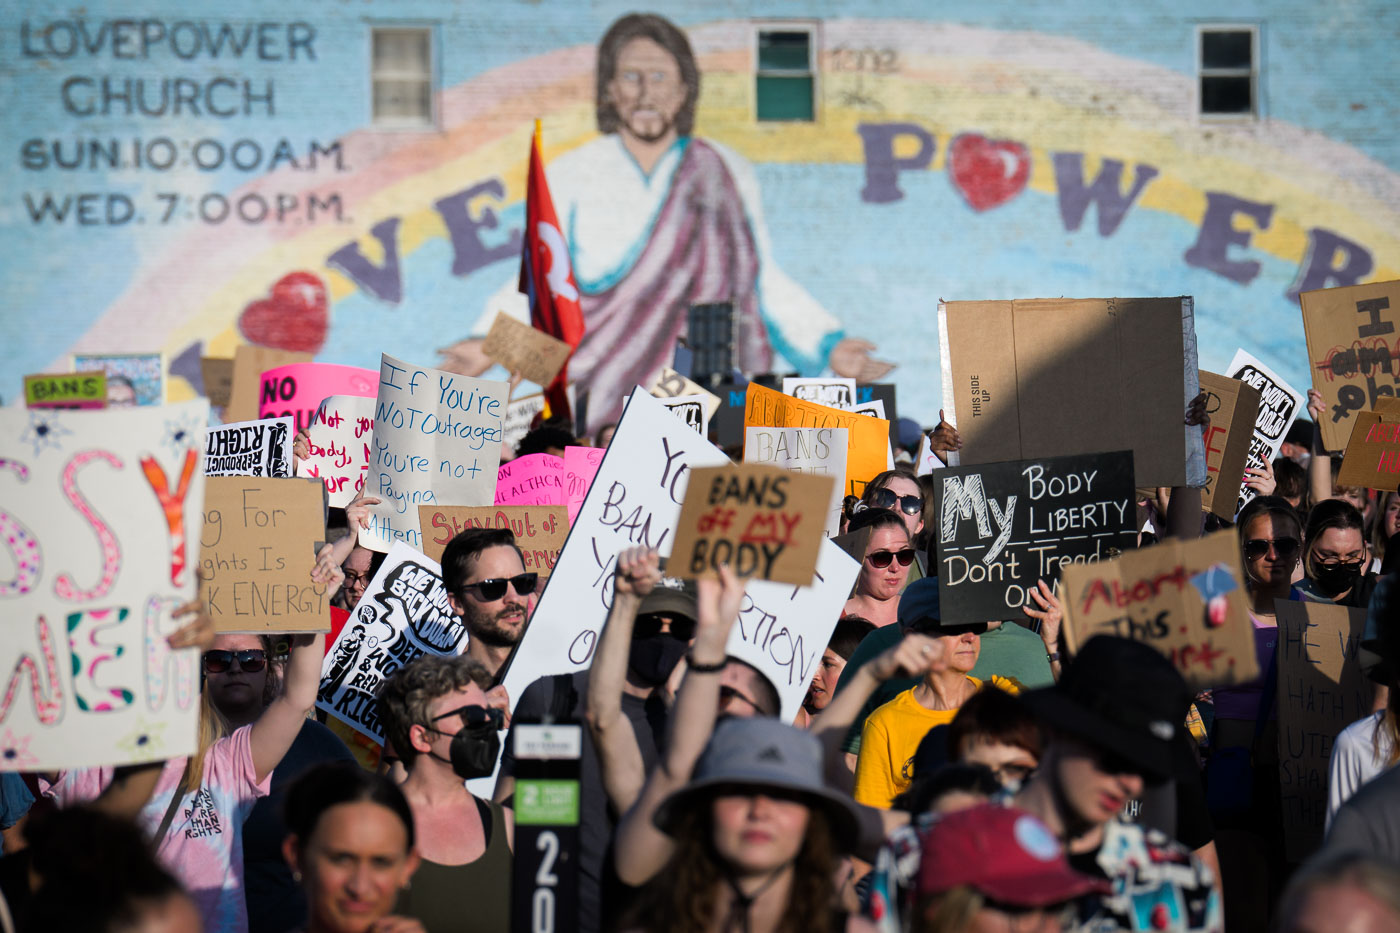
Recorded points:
(682, 629)
(886, 499)
(473, 716)
(495, 588)
(250, 660)
(1256, 548)
(881, 559)
(938, 630)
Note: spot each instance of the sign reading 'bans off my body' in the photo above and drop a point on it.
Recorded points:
(1004, 526)
(436, 441)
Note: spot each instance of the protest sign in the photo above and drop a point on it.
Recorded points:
(1353, 347)
(132, 378)
(250, 361)
(927, 461)
(1003, 526)
(817, 451)
(539, 530)
(519, 414)
(1279, 405)
(218, 379)
(882, 392)
(66, 390)
(1184, 598)
(100, 514)
(833, 393)
(671, 384)
(868, 444)
(341, 435)
(249, 448)
(1373, 454)
(1387, 406)
(1321, 691)
(522, 349)
(1233, 408)
(871, 409)
(297, 390)
(536, 479)
(257, 551)
(760, 520)
(403, 615)
(580, 466)
(1051, 377)
(691, 410)
(436, 441)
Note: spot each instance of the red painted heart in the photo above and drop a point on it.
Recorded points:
(988, 172)
(292, 317)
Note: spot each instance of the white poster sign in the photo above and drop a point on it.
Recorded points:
(835, 393)
(693, 410)
(820, 451)
(249, 448)
(342, 435)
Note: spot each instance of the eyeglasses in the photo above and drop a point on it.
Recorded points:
(887, 499)
(726, 692)
(1350, 561)
(250, 660)
(495, 588)
(881, 559)
(356, 579)
(682, 629)
(1009, 772)
(473, 716)
(939, 630)
(1256, 548)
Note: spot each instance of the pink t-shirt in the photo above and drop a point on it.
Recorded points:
(204, 845)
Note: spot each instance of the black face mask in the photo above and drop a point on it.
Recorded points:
(474, 751)
(653, 657)
(1337, 578)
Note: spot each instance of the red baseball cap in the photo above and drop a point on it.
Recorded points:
(1003, 853)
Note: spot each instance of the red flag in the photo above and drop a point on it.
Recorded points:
(547, 276)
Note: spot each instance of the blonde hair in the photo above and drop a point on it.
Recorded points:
(212, 727)
(950, 911)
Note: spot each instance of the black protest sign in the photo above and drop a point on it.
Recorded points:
(1003, 526)
(249, 448)
(881, 392)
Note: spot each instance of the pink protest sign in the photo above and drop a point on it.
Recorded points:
(534, 480)
(298, 389)
(580, 466)
(341, 439)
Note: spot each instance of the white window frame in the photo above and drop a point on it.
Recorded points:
(814, 44)
(1256, 102)
(431, 75)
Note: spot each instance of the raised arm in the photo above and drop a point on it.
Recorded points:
(642, 850)
(1320, 466)
(619, 757)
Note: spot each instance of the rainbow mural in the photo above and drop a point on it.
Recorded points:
(948, 161)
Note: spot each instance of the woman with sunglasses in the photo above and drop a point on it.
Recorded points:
(897, 491)
(436, 716)
(885, 568)
(1336, 559)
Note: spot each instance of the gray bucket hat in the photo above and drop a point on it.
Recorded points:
(758, 754)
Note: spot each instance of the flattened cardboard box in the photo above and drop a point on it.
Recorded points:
(1373, 454)
(1052, 377)
(1352, 348)
(1233, 407)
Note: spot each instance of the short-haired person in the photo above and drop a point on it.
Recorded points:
(996, 730)
(351, 843)
(1355, 892)
(435, 714)
(1111, 722)
(845, 638)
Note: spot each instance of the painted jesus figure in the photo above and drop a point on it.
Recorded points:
(658, 220)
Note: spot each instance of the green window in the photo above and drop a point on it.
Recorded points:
(786, 85)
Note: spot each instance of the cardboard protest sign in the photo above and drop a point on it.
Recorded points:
(1321, 691)
(868, 446)
(1279, 405)
(1003, 526)
(1184, 598)
(580, 466)
(1388, 405)
(341, 437)
(256, 554)
(1373, 454)
(522, 349)
(635, 500)
(250, 361)
(66, 390)
(816, 451)
(536, 479)
(1010, 369)
(436, 441)
(403, 615)
(218, 379)
(100, 515)
(539, 530)
(132, 378)
(249, 448)
(1233, 407)
(1353, 347)
(298, 389)
(833, 393)
(762, 521)
(671, 384)
(692, 410)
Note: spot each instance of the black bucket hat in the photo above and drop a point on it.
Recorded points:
(1123, 696)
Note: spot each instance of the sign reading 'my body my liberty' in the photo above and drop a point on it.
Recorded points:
(436, 441)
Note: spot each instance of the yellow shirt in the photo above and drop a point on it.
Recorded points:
(891, 736)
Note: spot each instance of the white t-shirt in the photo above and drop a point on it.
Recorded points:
(1356, 759)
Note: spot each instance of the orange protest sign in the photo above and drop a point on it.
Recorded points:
(868, 439)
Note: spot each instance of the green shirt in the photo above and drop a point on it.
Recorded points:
(1010, 650)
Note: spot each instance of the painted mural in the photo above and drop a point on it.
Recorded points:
(184, 185)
